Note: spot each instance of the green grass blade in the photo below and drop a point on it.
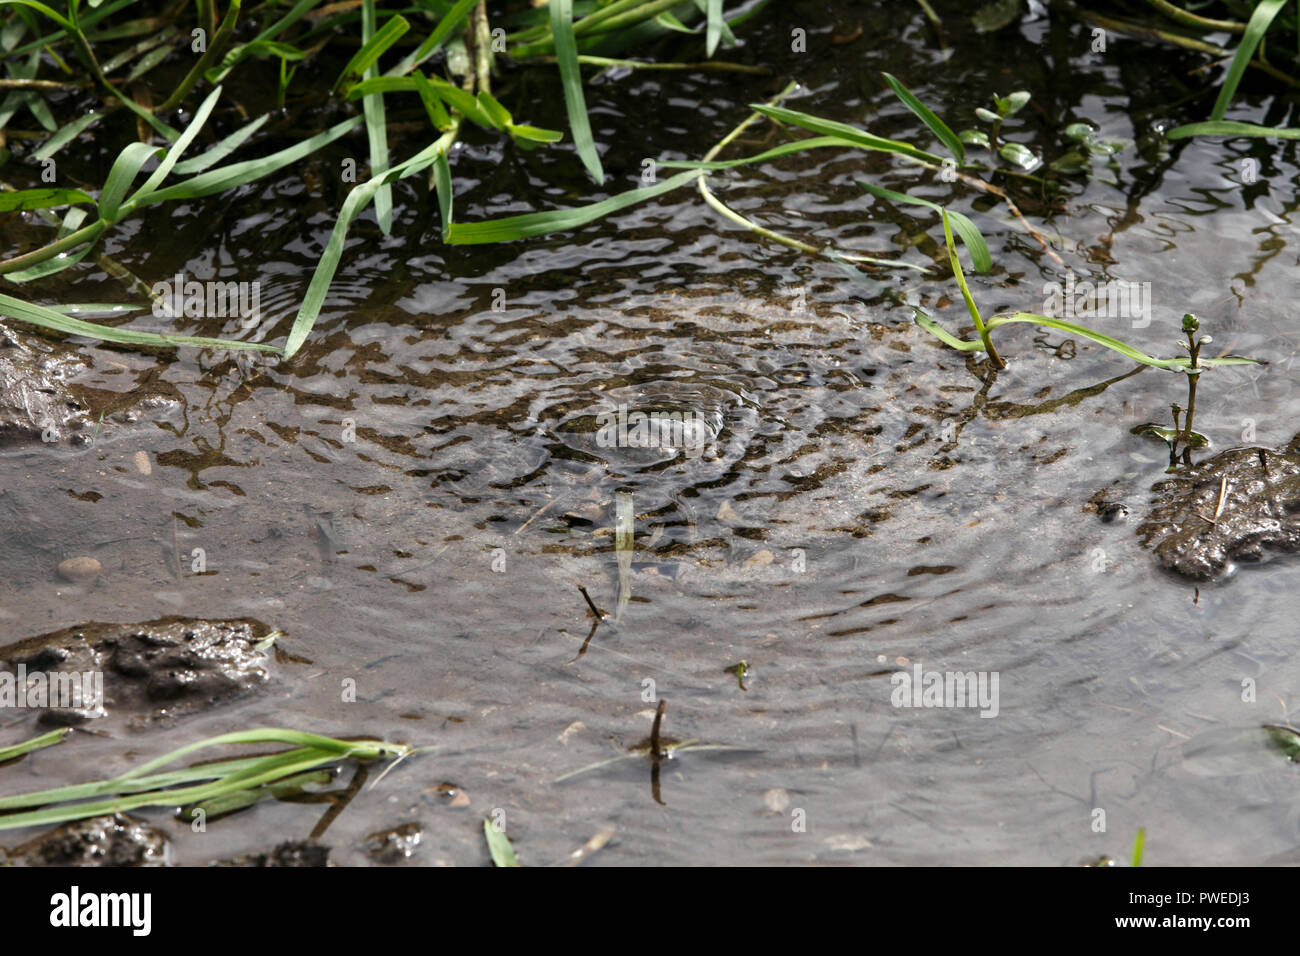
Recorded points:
(442, 183)
(221, 149)
(357, 200)
(237, 174)
(566, 55)
(1255, 30)
(973, 239)
(935, 329)
(1231, 128)
(1123, 348)
(540, 223)
(120, 176)
(35, 743)
(785, 149)
(859, 137)
(453, 21)
(29, 199)
(503, 854)
(923, 112)
(713, 32)
(65, 135)
(375, 43)
(174, 153)
(376, 121)
(49, 319)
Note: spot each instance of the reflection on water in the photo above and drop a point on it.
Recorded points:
(418, 498)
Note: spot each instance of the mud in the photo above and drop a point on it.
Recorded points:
(113, 840)
(1239, 507)
(151, 672)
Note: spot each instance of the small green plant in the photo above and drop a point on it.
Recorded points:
(221, 785)
(1004, 107)
(1193, 364)
(1087, 150)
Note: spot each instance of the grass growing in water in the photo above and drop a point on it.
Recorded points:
(224, 782)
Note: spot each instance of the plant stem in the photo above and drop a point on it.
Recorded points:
(71, 241)
(1192, 20)
(483, 48)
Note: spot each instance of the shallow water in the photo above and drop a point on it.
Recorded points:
(411, 502)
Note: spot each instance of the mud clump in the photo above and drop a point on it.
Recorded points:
(291, 853)
(35, 401)
(396, 844)
(113, 840)
(1237, 507)
(148, 672)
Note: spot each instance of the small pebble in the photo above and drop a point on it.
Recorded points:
(79, 570)
(776, 800)
(142, 464)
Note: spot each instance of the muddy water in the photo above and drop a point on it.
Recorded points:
(412, 504)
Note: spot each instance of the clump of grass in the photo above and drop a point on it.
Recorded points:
(308, 30)
(224, 784)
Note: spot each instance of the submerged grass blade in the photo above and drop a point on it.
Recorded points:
(35, 743)
(539, 223)
(49, 319)
(1231, 128)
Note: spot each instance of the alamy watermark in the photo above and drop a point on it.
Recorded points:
(76, 690)
(1115, 299)
(686, 431)
(208, 300)
(946, 689)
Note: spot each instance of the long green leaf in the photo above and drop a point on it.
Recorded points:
(120, 176)
(923, 112)
(566, 55)
(713, 32)
(356, 202)
(540, 223)
(27, 199)
(49, 319)
(237, 174)
(969, 232)
(859, 137)
(373, 109)
(1115, 344)
(178, 148)
(433, 43)
(375, 43)
(35, 743)
(1231, 128)
(221, 149)
(65, 135)
(937, 330)
(1255, 30)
